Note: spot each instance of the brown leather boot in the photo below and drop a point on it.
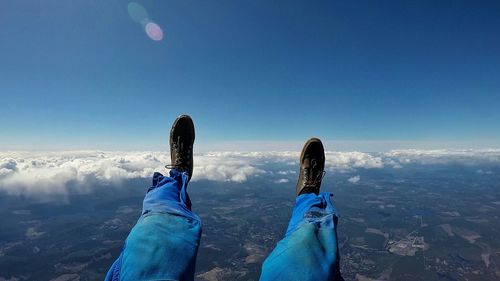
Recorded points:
(181, 145)
(312, 166)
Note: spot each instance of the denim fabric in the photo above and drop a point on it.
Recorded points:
(309, 250)
(164, 242)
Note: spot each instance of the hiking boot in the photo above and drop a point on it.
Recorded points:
(181, 145)
(312, 166)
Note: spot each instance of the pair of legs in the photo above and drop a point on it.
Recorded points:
(164, 243)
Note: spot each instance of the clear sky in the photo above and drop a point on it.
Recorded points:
(84, 74)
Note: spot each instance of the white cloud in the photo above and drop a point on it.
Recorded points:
(288, 172)
(51, 172)
(442, 156)
(223, 167)
(343, 161)
(28, 173)
(354, 179)
(282, 181)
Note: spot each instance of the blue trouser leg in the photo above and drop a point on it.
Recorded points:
(309, 250)
(164, 242)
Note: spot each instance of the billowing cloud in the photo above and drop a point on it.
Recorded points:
(442, 156)
(354, 179)
(352, 160)
(27, 173)
(51, 172)
(223, 167)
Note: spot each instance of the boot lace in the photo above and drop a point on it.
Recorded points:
(182, 155)
(311, 180)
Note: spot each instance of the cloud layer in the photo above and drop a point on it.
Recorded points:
(38, 173)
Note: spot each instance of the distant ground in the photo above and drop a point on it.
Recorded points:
(417, 222)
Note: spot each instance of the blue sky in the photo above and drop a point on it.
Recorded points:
(375, 74)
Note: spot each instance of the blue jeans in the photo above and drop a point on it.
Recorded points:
(164, 242)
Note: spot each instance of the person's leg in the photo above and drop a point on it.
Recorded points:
(309, 250)
(164, 242)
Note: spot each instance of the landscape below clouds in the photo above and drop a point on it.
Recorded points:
(404, 214)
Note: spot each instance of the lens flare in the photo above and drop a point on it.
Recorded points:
(140, 15)
(154, 31)
(137, 12)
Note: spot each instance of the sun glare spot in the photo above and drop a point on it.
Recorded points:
(154, 31)
(140, 15)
